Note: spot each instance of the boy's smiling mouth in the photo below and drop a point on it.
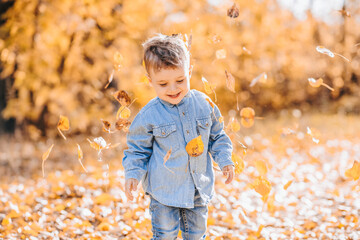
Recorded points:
(174, 96)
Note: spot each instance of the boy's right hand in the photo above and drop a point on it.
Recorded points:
(130, 185)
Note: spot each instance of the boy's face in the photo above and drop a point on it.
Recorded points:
(171, 84)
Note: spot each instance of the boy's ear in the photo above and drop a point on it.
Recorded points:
(148, 78)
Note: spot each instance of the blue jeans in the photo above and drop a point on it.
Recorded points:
(166, 220)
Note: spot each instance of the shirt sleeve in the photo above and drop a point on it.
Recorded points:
(220, 145)
(139, 141)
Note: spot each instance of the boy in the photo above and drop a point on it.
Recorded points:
(180, 188)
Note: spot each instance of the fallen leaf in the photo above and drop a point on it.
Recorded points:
(286, 186)
(317, 83)
(261, 167)
(45, 157)
(195, 147)
(354, 171)
(230, 81)
(98, 144)
(106, 126)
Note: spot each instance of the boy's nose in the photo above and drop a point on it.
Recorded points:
(172, 87)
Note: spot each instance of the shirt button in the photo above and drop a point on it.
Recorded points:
(183, 113)
(193, 171)
(163, 133)
(187, 131)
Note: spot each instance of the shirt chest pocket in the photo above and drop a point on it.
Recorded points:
(203, 126)
(166, 137)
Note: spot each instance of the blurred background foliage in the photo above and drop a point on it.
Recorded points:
(57, 57)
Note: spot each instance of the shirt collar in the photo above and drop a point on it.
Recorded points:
(184, 100)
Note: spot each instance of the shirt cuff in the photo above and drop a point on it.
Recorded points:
(225, 161)
(133, 174)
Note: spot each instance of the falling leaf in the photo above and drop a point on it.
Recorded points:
(246, 50)
(238, 162)
(326, 51)
(210, 102)
(106, 126)
(118, 61)
(122, 97)
(323, 50)
(317, 83)
(286, 186)
(221, 54)
(123, 112)
(314, 134)
(195, 147)
(63, 125)
(98, 144)
(247, 115)
(233, 12)
(260, 78)
(167, 156)
(45, 157)
(354, 171)
(261, 167)
(208, 88)
(80, 157)
(111, 77)
(262, 186)
(221, 119)
(122, 124)
(230, 81)
(234, 124)
(344, 13)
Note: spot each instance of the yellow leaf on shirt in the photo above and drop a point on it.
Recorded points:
(195, 147)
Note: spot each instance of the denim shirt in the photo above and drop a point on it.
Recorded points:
(161, 126)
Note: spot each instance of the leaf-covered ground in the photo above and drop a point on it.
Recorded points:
(310, 196)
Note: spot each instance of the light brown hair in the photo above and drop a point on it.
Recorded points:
(164, 51)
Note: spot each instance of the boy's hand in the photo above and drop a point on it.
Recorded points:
(229, 172)
(130, 185)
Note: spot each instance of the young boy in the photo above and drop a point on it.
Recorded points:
(181, 187)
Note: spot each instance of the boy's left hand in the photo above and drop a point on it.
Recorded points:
(229, 172)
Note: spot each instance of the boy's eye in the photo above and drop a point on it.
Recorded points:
(162, 84)
(180, 81)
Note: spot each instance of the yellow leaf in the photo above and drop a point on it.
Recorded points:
(259, 230)
(221, 119)
(286, 186)
(247, 117)
(80, 157)
(104, 226)
(195, 147)
(103, 199)
(354, 171)
(98, 144)
(234, 125)
(45, 157)
(167, 156)
(261, 167)
(208, 88)
(144, 79)
(262, 186)
(63, 124)
(230, 81)
(238, 162)
(123, 112)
